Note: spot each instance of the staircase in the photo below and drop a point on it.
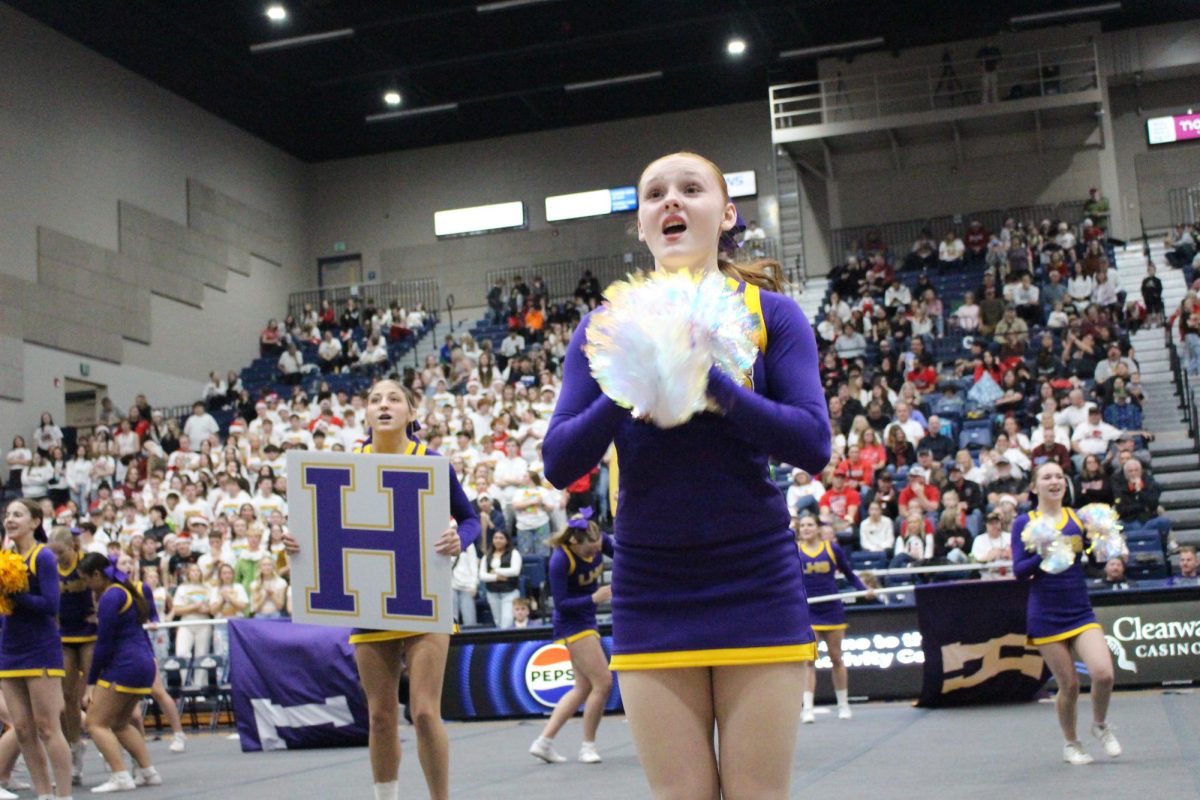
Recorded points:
(1176, 462)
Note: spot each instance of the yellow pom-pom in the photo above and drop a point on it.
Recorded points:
(14, 575)
(6, 605)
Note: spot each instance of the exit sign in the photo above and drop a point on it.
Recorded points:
(339, 247)
(85, 370)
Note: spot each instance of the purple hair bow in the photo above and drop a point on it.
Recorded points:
(581, 521)
(113, 574)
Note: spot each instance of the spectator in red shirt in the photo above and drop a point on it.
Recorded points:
(840, 504)
(976, 241)
(926, 494)
(857, 471)
(923, 376)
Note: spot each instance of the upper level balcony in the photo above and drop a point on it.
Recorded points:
(1064, 80)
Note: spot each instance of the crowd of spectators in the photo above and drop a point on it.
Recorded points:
(953, 368)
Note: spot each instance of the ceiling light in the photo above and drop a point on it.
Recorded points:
(826, 49)
(736, 46)
(300, 41)
(410, 112)
(505, 5)
(641, 76)
(276, 13)
(1068, 13)
(391, 97)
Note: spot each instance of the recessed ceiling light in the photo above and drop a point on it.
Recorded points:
(736, 46)
(392, 97)
(276, 13)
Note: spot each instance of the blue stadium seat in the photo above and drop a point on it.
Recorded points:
(976, 437)
(868, 560)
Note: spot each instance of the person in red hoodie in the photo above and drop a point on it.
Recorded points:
(976, 241)
(857, 470)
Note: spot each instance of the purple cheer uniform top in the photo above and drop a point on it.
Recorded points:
(460, 509)
(123, 660)
(573, 580)
(706, 572)
(76, 607)
(1059, 607)
(820, 565)
(29, 645)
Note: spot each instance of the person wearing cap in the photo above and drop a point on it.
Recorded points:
(1006, 448)
(887, 494)
(1006, 483)
(919, 490)
(934, 474)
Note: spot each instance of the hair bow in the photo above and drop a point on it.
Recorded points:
(580, 522)
(113, 574)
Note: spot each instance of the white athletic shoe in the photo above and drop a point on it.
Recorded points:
(5, 794)
(807, 716)
(543, 748)
(1104, 733)
(588, 753)
(147, 777)
(119, 782)
(844, 712)
(178, 742)
(1075, 755)
(15, 784)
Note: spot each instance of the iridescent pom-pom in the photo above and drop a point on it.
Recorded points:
(1038, 534)
(1104, 530)
(650, 347)
(1058, 556)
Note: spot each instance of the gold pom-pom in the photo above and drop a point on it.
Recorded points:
(14, 577)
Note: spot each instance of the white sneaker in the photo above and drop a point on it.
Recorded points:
(178, 742)
(147, 777)
(5, 794)
(807, 716)
(1075, 755)
(844, 712)
(543, 748)
(15, 784)
(119, 782)
(1104, 733)
(588, 753)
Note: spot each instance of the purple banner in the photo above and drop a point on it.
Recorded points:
(973, 635)
(295, 686)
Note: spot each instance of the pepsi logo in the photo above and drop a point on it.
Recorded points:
(548, 674)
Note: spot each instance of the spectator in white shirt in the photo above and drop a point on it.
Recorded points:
(374, 355)
(804, 494)
(913, 430)
(851, 344)
(1025, 296)
(876, 533)
(897, 295)
(290, 364)
(215, 391)
(1076, 412)
(200, 425)
(1092, 437)
(532, 513)
(46, 435)
(296, 434)
(992, 544)
(329, 352)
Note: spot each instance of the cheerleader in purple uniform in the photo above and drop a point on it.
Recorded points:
(122, 673)
(382, 655)
(820, 561)
(31, 656)
(1059, 617)
(576, 566)
(77, 629)
(706, 643)
(158, 691)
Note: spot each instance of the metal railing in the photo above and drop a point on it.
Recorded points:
(948, 84)
(562, 277)
(1183, 385)
(899, 236)
(1184, 202)
(427, 291)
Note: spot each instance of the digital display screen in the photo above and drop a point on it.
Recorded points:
(1165, 130)
(479, 219)
(597, 203)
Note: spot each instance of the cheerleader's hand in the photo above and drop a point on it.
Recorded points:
(87, 697)
(448, 544)
(290, 545)
(870, 595)
(603, 594)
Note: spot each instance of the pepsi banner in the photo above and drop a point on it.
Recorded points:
(367, 525)
(493, 676)
(976, 651)
(294, 686)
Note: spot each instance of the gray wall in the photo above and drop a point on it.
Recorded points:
(137, 232)
(1147, 174)
(383, 206)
